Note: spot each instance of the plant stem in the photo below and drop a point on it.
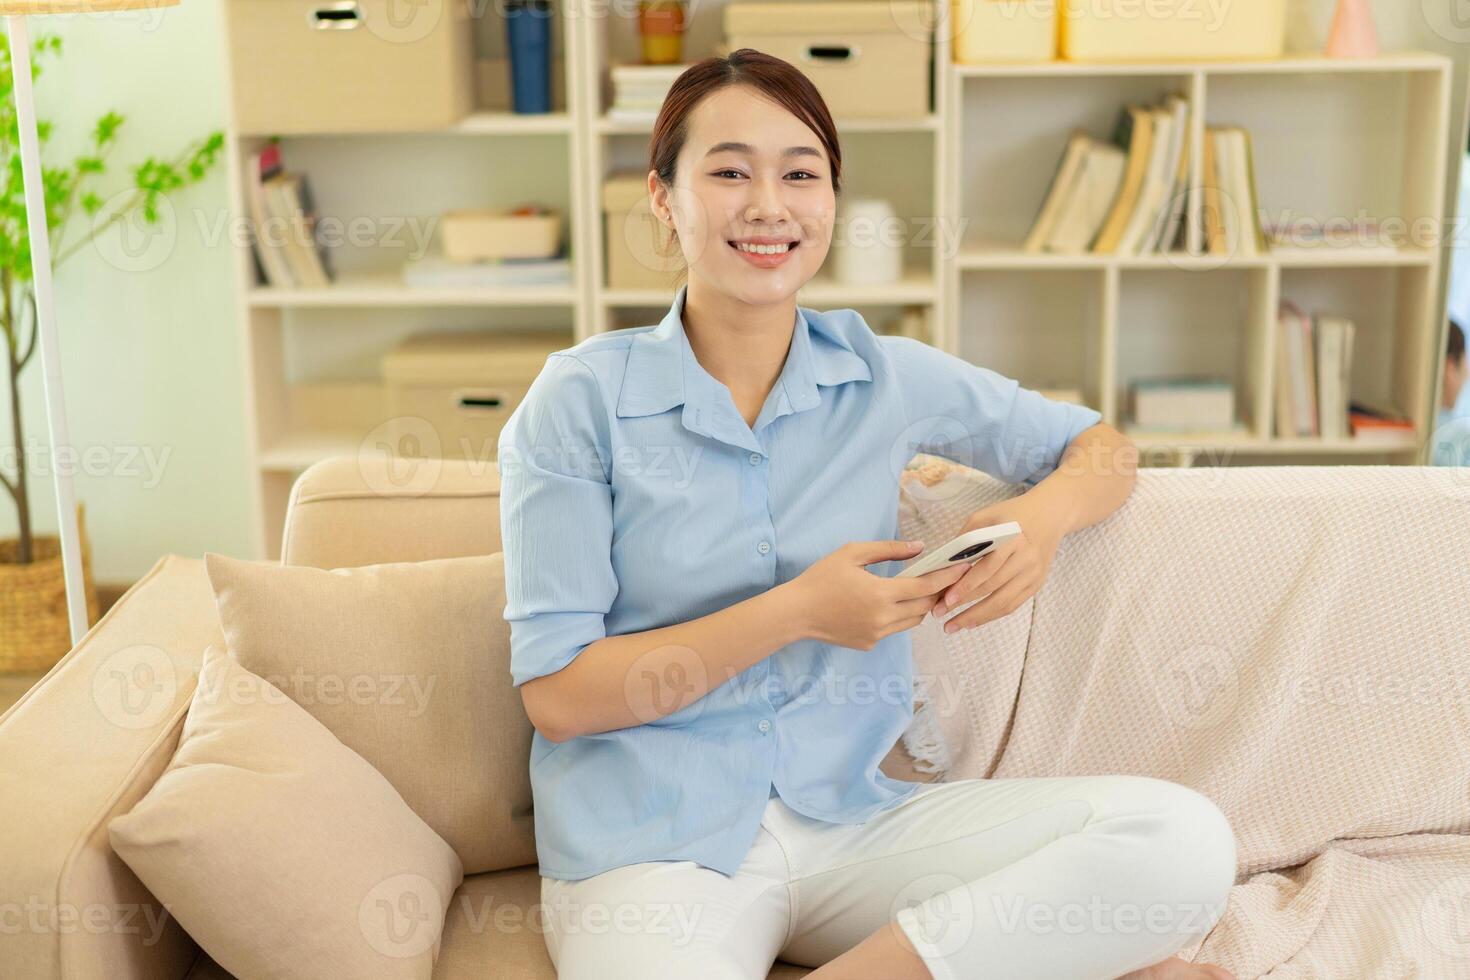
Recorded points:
(18, 490)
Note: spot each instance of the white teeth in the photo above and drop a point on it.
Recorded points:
(764, 249)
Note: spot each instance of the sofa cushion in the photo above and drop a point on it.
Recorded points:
(282, 851)
(407, 663)
(493, 929)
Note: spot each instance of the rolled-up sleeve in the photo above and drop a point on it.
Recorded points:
(979, 417)
(556, 519)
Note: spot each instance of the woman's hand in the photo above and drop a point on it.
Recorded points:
(843, 603)
(1010, 574)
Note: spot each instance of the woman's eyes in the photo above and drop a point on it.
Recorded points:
(728, 170)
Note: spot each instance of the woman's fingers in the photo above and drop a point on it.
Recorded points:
(1005, 600)
(986, 575)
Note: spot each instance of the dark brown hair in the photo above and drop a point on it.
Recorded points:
(780, 81)
(1456, 352)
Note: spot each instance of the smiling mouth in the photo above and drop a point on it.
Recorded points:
(752, 248)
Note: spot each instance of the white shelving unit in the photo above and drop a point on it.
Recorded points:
(1331, 138)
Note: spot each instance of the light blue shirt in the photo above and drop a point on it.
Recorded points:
(1450, 443)
(635, 496)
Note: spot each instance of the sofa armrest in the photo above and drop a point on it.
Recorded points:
(82, 746)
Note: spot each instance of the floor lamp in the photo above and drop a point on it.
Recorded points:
(15, 12)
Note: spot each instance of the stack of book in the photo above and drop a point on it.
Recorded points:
(283, 225)
(434, 270)
(1124, 197)
(1231, 213)
(639, 90)
(1182, 404)
(1314, 357)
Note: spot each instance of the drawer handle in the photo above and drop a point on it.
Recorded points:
(478, 402)
(831, 53)
(341, 16)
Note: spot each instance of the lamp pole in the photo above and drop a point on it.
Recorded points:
(35, 191)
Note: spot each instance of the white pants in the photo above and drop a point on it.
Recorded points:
(1067, 877)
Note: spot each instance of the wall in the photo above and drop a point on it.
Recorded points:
(150, 348)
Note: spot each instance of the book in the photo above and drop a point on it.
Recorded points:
(1169, 123)
(1370, 423)
(1062, 183)
(1092, 198)
(290, 205)
(1246, 151)
(434, 270)
(1182, 403)
(1134, 133)
(1210, 215)
(1334, 336)
(1167, 237)
(1296, 393)
(266, 237)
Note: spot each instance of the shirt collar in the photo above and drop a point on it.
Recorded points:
(663, 372)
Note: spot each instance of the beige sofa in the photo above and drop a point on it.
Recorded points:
(71, 757)
(1203, 633)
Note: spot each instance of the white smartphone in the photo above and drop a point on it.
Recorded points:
(969, 547)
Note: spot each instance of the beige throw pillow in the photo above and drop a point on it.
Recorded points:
(281, 851)
(407, 663)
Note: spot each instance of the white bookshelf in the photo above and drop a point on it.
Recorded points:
(975, 167)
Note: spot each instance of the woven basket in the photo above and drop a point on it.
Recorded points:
(34, 629)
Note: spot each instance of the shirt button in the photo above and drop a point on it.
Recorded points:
(755, 459)
(764, 547)
(764, 726)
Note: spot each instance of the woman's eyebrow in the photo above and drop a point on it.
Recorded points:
(733, 147)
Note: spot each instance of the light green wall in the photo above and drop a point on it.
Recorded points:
(150, 343)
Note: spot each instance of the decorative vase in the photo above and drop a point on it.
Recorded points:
(1353, 34)
(35, 631)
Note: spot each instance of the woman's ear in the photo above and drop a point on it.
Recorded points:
(658, 201)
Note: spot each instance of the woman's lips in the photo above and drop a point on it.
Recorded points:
(765, 260)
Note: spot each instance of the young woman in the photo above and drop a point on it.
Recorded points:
(709, 639)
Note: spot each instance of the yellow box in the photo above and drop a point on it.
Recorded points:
(342, 66)
(992, 31)
(1172, 30)
(450, 392)
(487, 235)
(870, 59)
(639, 254)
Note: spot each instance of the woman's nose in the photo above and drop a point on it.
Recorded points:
(766, 202)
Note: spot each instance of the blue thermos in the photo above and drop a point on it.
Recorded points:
(528, 34)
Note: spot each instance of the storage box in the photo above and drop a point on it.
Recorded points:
(340, 66)
(868, 59)
(639, 252)
(994, 31)
(1136, 30)
(488, 235)
(450, 392)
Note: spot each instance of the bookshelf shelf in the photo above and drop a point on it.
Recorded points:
(1406, 61)
(981, 256)
(619, 127)
(386, 289)
(968, 176)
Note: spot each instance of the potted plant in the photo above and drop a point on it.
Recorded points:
(34, 630)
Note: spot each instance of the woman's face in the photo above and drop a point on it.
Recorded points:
(750, 175)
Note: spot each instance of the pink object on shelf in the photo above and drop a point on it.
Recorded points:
(1353, 34)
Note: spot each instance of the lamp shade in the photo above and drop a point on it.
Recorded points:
(19, 8)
